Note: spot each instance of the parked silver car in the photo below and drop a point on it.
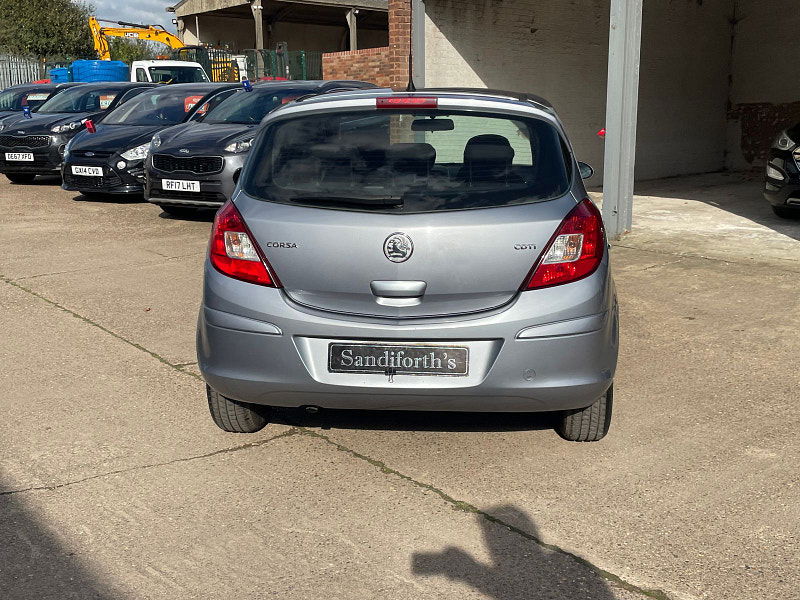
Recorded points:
(432, 250)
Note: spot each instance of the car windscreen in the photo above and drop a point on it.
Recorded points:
(407, 162)
(248, 108)
(14, 100)
(177, 74)
(79, 100)
(159, 106)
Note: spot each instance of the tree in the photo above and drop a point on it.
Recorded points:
(128, 50)
(46, 29)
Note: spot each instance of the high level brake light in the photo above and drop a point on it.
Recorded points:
(234, 252)
(574, 252)
(406, 102)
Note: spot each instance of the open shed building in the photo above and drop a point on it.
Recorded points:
(313, 25)
(713, 77)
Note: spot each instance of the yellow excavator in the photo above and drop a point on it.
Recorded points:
(151, 33)
(220, 65)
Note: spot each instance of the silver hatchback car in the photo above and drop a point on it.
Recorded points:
(431, 250)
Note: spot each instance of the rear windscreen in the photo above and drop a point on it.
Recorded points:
(407, 162)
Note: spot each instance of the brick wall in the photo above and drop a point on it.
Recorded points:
(371, 64)
(386, 66)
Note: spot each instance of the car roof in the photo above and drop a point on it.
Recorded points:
(313, 84)
(519, 98)
(122, 85)
(201, 87)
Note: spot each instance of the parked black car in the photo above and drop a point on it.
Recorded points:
(111, 160)
(14, 99)
(782, 183)
(35, 146)
(197, 164)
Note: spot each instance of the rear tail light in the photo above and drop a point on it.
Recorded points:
(234, 252)
(406, 102)
(574, 252)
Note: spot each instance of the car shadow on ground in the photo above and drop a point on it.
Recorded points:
(109, 198)
(204, 215)
(33, 561)
(41, 180)
(519, 567)
(390, 420)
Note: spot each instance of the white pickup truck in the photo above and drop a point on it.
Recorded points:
(168, 71)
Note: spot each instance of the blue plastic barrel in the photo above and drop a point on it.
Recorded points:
(59, 75)
(99, 70)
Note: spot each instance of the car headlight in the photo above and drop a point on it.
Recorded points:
(138, 153)
(156, 141)
(784, 142)
(2, 126)
(67, 127)
(240, 146)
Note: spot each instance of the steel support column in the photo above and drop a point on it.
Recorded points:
(418, 42)
(622, 98)
(258, 18)
(352, 25)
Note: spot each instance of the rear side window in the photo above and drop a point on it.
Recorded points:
(408, 162)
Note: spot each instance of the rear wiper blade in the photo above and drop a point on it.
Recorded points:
(362, 200)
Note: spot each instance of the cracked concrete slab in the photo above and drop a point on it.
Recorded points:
(293, 519)
(78, 402)
(692, 492)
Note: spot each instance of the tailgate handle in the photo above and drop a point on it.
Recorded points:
(398, 289)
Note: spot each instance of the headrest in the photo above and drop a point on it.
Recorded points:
(488, 153)
(332, 151)
(415, 152)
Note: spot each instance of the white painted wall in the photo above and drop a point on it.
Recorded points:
(559, 50)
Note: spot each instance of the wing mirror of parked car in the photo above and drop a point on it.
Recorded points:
(585, 169)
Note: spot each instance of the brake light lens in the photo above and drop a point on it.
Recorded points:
(234, 252)
(406, 102)
(574, 252)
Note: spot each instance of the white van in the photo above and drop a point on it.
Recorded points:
(168, 71)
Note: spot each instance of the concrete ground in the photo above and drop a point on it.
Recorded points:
(114, 483)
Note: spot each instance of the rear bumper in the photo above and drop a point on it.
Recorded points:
(522, 358)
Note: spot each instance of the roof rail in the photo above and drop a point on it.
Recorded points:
(521, 96)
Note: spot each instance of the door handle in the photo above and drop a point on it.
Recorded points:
(398, 289)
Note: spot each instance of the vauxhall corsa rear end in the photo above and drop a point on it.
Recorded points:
(430, 251)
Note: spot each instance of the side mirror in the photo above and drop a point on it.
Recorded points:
(586, 170)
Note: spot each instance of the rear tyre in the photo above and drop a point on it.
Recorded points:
(233, 416)
(178, 211)
(21, 177)
(588, 424)
(786, 212)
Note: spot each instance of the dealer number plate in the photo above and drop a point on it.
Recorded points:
(90, 171)
(23, 156)
(180, 185)
(398, 359)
